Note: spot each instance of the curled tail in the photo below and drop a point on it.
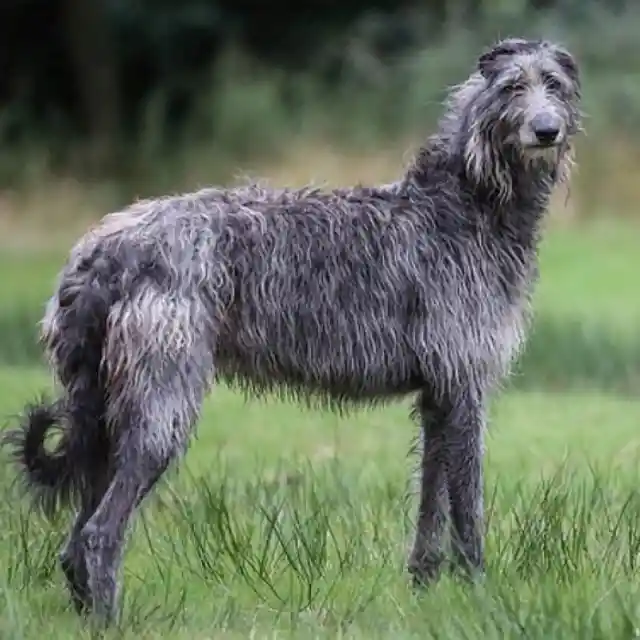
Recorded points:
(52, 475)
(74, 332)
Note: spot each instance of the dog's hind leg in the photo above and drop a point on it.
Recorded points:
(71, 557)
(89, 439)
(155, 398)
(154, 431)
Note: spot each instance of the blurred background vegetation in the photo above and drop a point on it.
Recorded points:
(106, 101)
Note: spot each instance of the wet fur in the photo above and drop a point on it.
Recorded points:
(339, 298)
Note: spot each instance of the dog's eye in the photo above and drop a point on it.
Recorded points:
(552, 83)
(514, 87)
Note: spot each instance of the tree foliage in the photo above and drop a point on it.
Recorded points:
(88, 68)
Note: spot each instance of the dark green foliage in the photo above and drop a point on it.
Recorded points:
(168, 65)
(19, 337)
(572, 353)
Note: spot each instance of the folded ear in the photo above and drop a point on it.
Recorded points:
(487, 61)
(568, 64)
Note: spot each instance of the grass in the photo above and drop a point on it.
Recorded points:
(588, 271)
(287, 523)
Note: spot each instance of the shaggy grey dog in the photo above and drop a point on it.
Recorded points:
(349, 296)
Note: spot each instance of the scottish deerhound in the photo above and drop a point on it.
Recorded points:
(338, 297)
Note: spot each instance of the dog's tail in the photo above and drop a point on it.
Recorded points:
(50, 474)
(60, 450)
(74, 330)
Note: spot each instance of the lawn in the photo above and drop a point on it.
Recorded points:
(288, 523)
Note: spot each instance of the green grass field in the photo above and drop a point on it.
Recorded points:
(288, 523)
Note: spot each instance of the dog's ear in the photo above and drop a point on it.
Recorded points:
(488, 61)
(568, 64)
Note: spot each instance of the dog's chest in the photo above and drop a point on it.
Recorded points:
(493, 330)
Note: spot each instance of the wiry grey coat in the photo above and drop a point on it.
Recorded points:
(349, 296)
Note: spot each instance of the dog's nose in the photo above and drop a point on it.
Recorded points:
(546, 129)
